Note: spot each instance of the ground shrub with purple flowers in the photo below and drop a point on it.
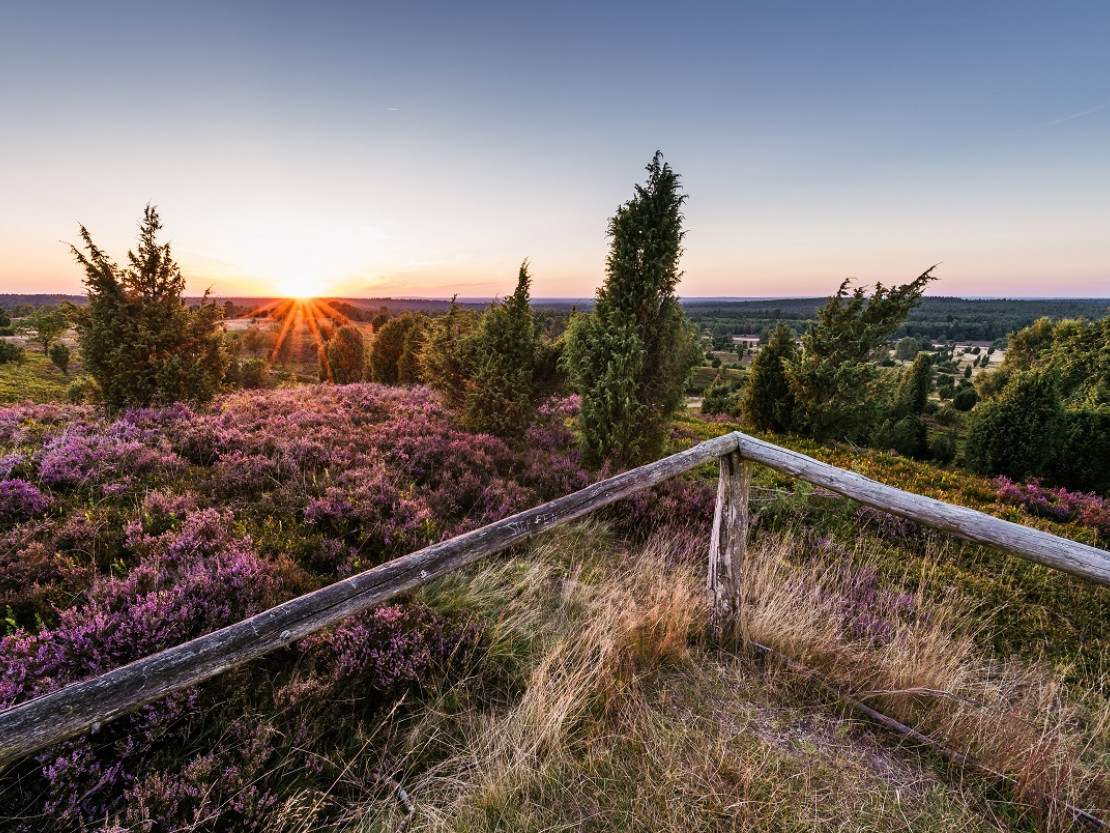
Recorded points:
(121, 537)
(1057, 503)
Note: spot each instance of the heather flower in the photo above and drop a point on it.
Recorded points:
(888, 526)
(867, 611)
(20, 500)
(1057, 504)
(9, 463)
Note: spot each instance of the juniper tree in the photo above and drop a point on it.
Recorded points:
(446, 357)
(768, 403)
(139, 341)
(344, 356)
(394, 350)
(719, 397)
(501, 396)
(60, 354)
(629, 359)
(905, 430)
(913, 390)
(1017, 433)
(835, 381)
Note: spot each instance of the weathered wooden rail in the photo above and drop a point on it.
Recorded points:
(77, 708)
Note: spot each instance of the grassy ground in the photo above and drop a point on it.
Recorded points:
(37, 379)
(616, 711)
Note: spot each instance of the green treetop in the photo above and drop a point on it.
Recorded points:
(501, 397)
(834, 380)
(629, 359)
(139, 341)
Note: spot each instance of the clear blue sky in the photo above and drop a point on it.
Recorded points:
(426, 148)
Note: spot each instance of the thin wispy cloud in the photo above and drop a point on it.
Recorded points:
(1078, 115)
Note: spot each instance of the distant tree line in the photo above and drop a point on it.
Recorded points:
(940, 319)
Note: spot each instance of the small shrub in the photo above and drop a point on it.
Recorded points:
(81, 390)
(719, 398)
(942, 448)
(965, 399)
(1058, 504)
(60, 354)
(907, 436)
(947, 415)
(11, 352)
(254, 374)
(20, 500)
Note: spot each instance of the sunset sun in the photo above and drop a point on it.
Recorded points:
(301, 286)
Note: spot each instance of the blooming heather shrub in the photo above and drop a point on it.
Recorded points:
(673, 503)
(167, 523)
(11, 463)
(888, 526)
(240, 474)
(383, 651)
(35, 582)
(189, 583)
(229, 788)
(81, 456)
(20, 500)
(869, 612)
(1057, 504)
(368, 507)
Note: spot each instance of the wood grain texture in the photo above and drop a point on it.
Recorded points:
(38, 723)
(969, 524)
(728, 541)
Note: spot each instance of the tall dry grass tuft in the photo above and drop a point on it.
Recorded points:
(918, 661)
(596, 642)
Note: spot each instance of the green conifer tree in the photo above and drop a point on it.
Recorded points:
(394, 350)
(768, 403)
(447, 356)
(835, 381)
(629, 359)
(139, 340)
(1018, 433)
(60, 354)
(913, 390)
(344, 356)
(501, 398)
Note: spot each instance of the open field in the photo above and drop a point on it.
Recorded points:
(36, 379)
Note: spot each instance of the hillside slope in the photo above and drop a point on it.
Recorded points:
(570, 684)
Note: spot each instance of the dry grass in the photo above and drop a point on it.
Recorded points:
(619, 716)
(928, 671)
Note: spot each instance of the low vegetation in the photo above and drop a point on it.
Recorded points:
(545, 687)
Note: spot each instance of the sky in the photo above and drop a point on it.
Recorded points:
(424, 149)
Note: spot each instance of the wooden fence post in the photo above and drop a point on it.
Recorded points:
(729, 541)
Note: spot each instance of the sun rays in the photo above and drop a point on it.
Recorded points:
(297, 316)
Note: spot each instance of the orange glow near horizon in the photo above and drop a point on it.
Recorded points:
(301, 314)
(302, 288)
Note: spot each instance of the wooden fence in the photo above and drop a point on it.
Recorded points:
(67, 712)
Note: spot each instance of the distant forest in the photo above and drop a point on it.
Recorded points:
(938, 318)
